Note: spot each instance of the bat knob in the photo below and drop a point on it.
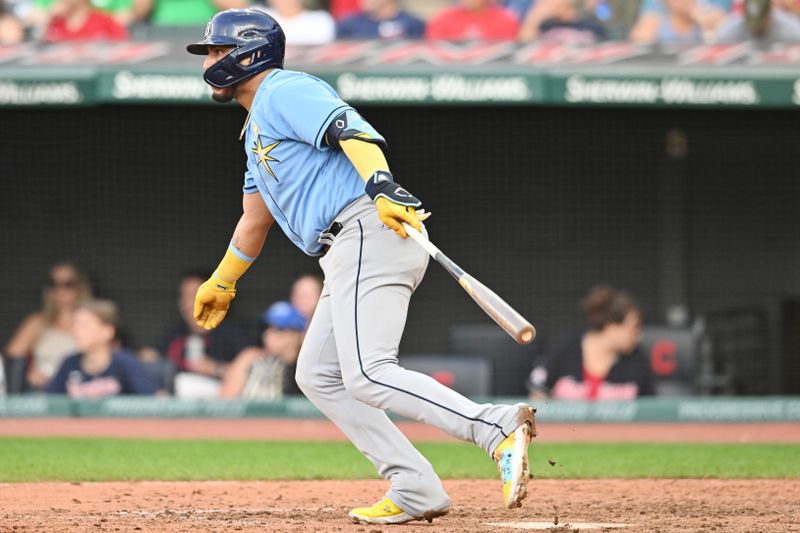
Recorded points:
(527, 335)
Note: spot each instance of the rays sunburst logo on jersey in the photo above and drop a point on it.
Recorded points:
(262, 153)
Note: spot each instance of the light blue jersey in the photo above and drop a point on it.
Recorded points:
(304, 183)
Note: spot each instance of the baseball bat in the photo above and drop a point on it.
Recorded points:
(506, 316)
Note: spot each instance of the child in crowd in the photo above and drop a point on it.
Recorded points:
(101, 368)
(267, 372)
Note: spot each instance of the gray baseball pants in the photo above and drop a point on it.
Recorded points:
(348, 363)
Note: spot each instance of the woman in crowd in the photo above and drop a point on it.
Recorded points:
(46, 336)
(603, 363)
(101, 368)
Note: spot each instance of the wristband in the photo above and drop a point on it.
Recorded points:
(382, 185)
(233, 266)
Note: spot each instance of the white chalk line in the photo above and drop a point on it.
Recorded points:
(567, 526)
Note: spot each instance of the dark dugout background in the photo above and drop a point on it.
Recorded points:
(686, 207)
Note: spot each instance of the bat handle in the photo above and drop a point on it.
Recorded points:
(420, 239)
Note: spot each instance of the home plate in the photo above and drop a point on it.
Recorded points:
(550, 525)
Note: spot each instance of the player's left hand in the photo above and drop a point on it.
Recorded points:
(395, 204)
(212, 301)
(393, 215)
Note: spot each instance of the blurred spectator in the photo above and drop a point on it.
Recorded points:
(200, 356)
(304, 294)
(77, 20)
(762, 21)
(38, 12)
(790, 6)
(676, 22)
(603, 363)
(519, 8)
(101, 368)
(718, 6)
(618, 16)
(341, 9)
(267, 372)
(381, 19)
(180, 12)
(301, 26)
(473, 19)
(46, 335)
(11, 29)
(563, 21)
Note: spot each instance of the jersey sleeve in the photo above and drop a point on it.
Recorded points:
(305, 108)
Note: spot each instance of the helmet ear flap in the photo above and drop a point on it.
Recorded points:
(224, 72)
(232, 69)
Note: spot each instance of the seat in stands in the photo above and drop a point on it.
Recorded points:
(672, 353)
(466, 374)
(511, 362)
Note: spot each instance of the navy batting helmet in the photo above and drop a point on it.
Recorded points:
(253, 34)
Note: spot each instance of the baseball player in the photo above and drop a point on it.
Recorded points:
(317, 168)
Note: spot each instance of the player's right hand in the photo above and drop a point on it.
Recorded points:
(212, 301)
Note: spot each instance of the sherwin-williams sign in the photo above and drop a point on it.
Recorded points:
(610, 74)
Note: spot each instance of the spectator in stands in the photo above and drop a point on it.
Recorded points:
(46, 336)
(11, 28)
(762, 22)
(381, 19)
(200, 356)
(473, 19)
(301, 26)
(618, 17)
(603, 363)
(267, 372)
(790, 6)
(563, 21)
(38, 12)
(180, 12)
(518, 8)
(341, 9)
(101, 368)
(676, 22)
(77, 20)
(304, 294)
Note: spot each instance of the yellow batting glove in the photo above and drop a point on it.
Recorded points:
(395, 204)
(212, 301)
(213, 298)
(393, 215)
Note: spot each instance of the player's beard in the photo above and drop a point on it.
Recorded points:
(223, 96)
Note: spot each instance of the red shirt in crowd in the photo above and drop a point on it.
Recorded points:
(341, 9)
(457, 24)
(98, 26)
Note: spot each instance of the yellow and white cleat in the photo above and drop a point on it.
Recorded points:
(511, 457)
(386, 512)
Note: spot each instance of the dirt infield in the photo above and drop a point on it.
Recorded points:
(288, 429)
(321, 506)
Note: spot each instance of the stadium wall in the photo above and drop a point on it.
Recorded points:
(693, 207)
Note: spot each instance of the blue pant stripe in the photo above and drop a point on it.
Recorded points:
(361, 363)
